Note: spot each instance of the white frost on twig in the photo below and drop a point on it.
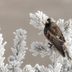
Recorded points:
(40, 48)
(38, 19)
(18, 50)
(3, 67)
(59, 64)
(36, 68)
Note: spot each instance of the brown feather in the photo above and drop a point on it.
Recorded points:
(54, 29)
(55, 36)
(56, 42)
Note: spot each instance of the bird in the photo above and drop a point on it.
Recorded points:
(54, 34)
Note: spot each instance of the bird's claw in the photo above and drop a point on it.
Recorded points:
(50, 45)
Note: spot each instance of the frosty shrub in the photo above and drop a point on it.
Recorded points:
(59, 63)
(19, 48)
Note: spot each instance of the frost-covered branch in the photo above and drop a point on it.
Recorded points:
(45, 50)
(3, 67)
(18, 50)
(41, 48)
(57, 67)
(59, 64)
(36, 68)
(38, 19)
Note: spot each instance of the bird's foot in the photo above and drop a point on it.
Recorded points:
(50, 45)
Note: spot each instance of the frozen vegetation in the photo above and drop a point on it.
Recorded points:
(19, 49)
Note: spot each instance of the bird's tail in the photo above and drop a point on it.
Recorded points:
(67, 53)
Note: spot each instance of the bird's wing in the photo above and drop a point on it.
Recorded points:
(57, 32)
(58, 43)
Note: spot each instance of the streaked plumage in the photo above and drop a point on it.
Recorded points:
(55, 36)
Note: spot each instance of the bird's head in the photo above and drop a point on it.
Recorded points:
(49, 20)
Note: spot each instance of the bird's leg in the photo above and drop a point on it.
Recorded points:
(50, 45)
